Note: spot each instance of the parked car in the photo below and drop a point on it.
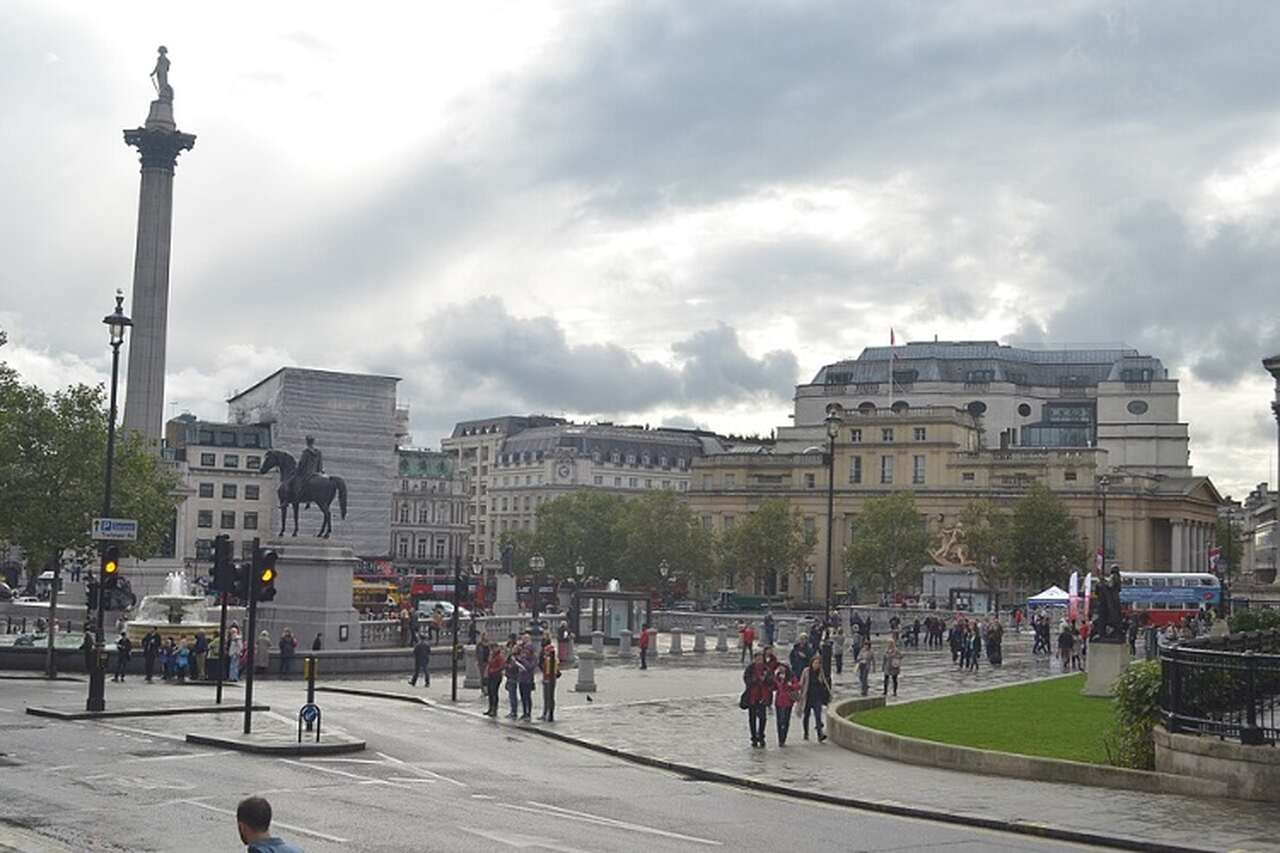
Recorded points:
(26, 599)
(427, 608)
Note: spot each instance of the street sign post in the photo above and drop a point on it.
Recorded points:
(114, 529)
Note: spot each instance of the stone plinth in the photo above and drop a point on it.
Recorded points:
(624, 644)
(699, 640)
(586, 673)
(722, 638)
(472, 680)
(313, 594)
(653, 645)
(677, 642)
(597, 643)
(505, 602)
(1103, 666)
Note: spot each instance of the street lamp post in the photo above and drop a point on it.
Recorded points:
(537, 563)
(579, 570)
(834, 418)
(808, 584)
(117, 323)
(664, 571)
(477, 568)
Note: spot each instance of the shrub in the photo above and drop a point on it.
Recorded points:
(1137, 708)
(1254, 620)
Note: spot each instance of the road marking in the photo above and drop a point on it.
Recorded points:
(120, 728)
(542, 808)
(363, 780)
(61, 767)
(342, 760)
(482, 797)
(182, 757)
(313, 833)
(520, 842)
(7, 711)
(416, 779)
(421, 770)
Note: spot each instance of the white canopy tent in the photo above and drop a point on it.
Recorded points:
(1054, 596)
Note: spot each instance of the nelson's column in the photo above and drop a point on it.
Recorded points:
(159, 142)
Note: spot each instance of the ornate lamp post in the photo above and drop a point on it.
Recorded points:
(808, 584)
(477, 569)
(536, 565)
(835, 416)
(664, 571)
(117, 323)
(579, 570)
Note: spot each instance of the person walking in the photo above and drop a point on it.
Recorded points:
(975, 646)
(770, 627)
(150, 651)
(421, 662)
(262, 654)
(288, 648)
(748, 641)
(839, 643)
(1066, 651)
(891, 666)
(494, 667)
(318, 643)
(528, 660)
(786, 690)
(866, 663)
(482, 662)
(124, 649)
(513, 679)
(253, 821)
(800, 654)
(182, 659)
(549, 666)
(200, 652)
(644, 646)
(758, 691)
(815, 689)
(234, 646)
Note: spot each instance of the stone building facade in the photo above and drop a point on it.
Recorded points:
(221, 487)
(357, 425)
(428, 513)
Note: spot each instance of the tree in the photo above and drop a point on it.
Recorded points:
(769, 541)
(1044, 545)
(52, 470)
(658, 527)
(1228, 537)
(986, 539)
(889, 546)
(580, 526)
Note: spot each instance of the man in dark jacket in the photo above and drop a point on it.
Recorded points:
(124, 648)
(150, 649)
(421, 661)
(800, 655)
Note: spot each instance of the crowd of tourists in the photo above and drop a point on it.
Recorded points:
(195, 656)
(522, 663)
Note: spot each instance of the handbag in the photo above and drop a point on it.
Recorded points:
(742, 700)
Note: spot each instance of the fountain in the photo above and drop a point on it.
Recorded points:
(174, 613)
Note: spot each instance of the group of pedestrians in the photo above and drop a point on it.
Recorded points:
(520, 663)
(968, 639)
(187, 657)
(768, 681)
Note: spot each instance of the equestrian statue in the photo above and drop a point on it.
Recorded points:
(304, 482)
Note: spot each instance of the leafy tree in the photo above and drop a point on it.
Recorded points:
(1228, 537)
(1044, 545)
(580, 526)
(656, 527)
(890, 544)
(770, 540)
(986, 538)
(52, 469)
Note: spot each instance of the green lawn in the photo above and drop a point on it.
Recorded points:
(1045, 718)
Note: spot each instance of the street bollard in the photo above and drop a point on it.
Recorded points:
(699, 640)
(309, 672)
(597, 643)
(472, 679)
(586, 673)
(677, 645)
(722, 638)
(624, 644)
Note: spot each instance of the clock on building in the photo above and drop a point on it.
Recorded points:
(564, 471)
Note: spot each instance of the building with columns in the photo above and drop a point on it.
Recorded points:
(1148, 521)
(428, 513)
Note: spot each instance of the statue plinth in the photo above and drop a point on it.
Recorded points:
(160, 117)
(1103, 665)
(505, 600)
(313, 593)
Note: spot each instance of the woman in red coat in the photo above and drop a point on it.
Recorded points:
(493, 670)
(759, 690)
(786, 690)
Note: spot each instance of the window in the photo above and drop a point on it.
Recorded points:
(204, 436)
(251, 440)
(977, 408)
(662, 461)
(1024, 410)
(597, 480)
(596, 457)
(644, 459)
(855, 436)
(440, 545)
(250, 521)
(729, 522)
(706, 522)
(424, 514)
(251, 493)
(632, 482)
(855, 470)
(917, 470)
(422, 549)
(730, 481)
(810, 526)
(504, 502)
(918, 434)
(615, 458)
(402, 549)
(980, 376)
(1069, 476)
(886, 434)
(666, 484)
(966, 477)
(206, 490)
(226, 438)
(208, 460)
(229, 491)
(253, 463)
(617, 481)
(648, 484)
(228, 521)
(231, 460)
(684, 485)
(886, 469)
(631, 459)
(681, 463)
(204, 518)
(526, 503)
(706, 482)
(204, 549)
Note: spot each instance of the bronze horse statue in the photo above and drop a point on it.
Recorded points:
(319, 489)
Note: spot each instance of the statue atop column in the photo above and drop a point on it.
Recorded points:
(160, 75)
(1108, 622)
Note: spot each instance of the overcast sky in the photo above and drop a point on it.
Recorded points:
(657, 212)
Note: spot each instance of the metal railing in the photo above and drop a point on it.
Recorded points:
(1225, 687)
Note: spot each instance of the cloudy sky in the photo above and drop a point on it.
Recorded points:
(660, 212)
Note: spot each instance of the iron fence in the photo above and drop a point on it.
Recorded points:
(1227, 687)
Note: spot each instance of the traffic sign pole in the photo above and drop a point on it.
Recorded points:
(251, 639)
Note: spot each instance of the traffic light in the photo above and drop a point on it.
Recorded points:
(240, 581)
(223, 570)
(110, 568)
(267, 575)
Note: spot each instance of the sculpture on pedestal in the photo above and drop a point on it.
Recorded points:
(1108, 621)
(161, 75)
(305, 483)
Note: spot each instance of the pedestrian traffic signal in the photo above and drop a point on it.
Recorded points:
(223, 570)
(266, 570)
(240, 581)
(111, 567)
